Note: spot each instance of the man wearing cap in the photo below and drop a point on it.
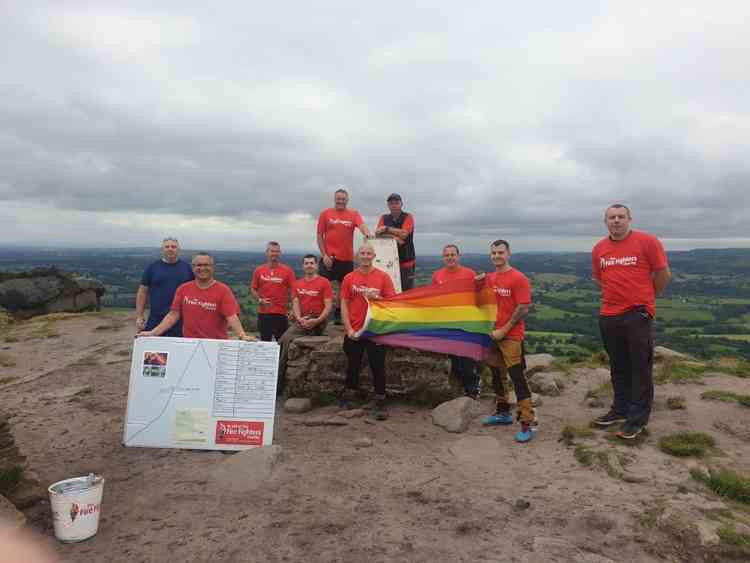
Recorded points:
(399, 225)
(336, 238)
(159, 282)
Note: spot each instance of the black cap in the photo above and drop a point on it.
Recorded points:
(394, 196)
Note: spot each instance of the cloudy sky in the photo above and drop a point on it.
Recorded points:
(231, 123)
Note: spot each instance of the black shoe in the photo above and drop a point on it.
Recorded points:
(629, 431)
(346, 398)
(380, 412)
(609, 419)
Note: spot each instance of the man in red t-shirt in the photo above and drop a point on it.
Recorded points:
(312, 300)
(363, 284)
(399, 225)
(336, 238)
(206, 306)
(271, 285)
(513, 296)
(631, 268)
(463, 369)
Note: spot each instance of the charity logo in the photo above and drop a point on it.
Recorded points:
(622, 261)
(503, 291)
(308, 292)
(344, 222)
(239, 432)
(271, 278)
(208, 306)
(371, 292)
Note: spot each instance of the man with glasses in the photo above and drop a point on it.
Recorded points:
(159, 282)
(205, 306)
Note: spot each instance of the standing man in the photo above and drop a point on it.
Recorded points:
(463, 369)
(271, 285)
(513, 295)
(336, 238)
(312, 300)
(205, 306)
(159, 282)
(631, 268)
(363, 284)
(399, 225)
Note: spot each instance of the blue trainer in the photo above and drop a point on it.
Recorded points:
(524, 434)
(497, 419)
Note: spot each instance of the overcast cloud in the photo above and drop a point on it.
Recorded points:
(231, 123)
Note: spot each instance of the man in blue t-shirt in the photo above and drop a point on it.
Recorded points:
(158, 285)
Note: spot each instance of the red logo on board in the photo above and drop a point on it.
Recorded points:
(239, 432)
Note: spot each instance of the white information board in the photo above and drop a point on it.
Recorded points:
(201, 394)
(386, 259)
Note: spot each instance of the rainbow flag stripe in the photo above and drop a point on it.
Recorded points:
(452, 318)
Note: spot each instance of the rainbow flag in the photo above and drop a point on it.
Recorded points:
(451, 318)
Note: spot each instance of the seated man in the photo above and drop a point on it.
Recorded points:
(311, 304)
(205, 306)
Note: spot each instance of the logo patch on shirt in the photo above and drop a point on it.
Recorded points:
(622, 261)
(503, 291)
(372, 292)
(344, 222)
(207, 305)
(272, 279)
(308, 292)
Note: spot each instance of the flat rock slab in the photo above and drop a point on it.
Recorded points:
(352, 413)
(297, 406)
(247, 470)
(325, 421)
(455, 415)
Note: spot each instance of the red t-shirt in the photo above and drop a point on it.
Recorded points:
(511, 288)
(204, 312)
(624, 268)
(312, 295)
(356, 284)
(273, 283)
(445, 275)
(337, 228)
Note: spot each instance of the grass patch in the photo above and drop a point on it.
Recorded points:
(676, 403)
(650, 517)
(676, 371)
(10, 479)
(725, 483)
(10, 339)
(569, 434)
(726, 396)
(8, 379)
(687, 444)
(6, 360)
(729, 536)
(610, 460)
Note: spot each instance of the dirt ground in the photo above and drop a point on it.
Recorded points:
(417, 494)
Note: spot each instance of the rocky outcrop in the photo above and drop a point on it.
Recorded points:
(48, 290)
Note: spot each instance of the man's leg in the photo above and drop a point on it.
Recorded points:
(614, 339)
(376, 359)
(286, 339)
(638, 326)
(280, 324)
(513, 359)
(265, 327)
(407, 278)
(354, 349)
(470, 377)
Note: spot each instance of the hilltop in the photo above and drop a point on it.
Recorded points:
(410, 491)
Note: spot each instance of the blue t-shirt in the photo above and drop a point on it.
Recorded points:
(162, 280)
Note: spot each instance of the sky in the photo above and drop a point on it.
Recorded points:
(232, 123)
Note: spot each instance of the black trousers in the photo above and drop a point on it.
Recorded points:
(466, 371)
(628, 340)
(272, 325)
(354, 350)
(407, 277)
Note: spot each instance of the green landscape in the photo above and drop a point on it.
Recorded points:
(705, 310)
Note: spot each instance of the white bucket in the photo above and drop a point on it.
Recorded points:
(76, 505)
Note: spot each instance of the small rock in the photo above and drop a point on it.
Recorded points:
(629, 477)
(335, 421)
(352, 413)
(538, 362)
(521, 504)
(455, 415)
(662, 353)
(362, 443)
(707, 535)
(297, 406)
(536, 400)
(325, 421)
(544, 384)
(595, 403)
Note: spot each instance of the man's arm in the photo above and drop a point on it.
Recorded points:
(167, 322)
(521, 310)
(327, 306)
(141, 297)
(345, 318)
(327, 260)
(661, 279)
(364, 230)
(236, 325)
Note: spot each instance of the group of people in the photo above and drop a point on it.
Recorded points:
(630, 267)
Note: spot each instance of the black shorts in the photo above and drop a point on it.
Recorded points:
(338, 270)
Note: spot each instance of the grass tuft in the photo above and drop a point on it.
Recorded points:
(725, 483)
(686, 444)
(676, 371)
(570, 433)
(10, 479)
(6, 360)
(676, 403)
(726, 396)
(729, 536)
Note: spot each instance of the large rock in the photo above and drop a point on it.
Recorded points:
(544, 383)
(48, 290)
(538, 362)
(297, 405)
(455, 415)
(247, 470)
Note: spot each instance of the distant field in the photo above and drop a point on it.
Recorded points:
(545, 312)
(741, 337)
(555, 278)
(675, 309)
(542, 334)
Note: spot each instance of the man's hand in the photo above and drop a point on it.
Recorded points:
(381, 230)
(327, 262)
(352, 334)
(306, 323)
(145, 333)
(248, 338)
(499, 334)
(140, 323)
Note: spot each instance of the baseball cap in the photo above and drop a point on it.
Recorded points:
(394, 196)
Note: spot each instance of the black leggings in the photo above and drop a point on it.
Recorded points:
(354, 350)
